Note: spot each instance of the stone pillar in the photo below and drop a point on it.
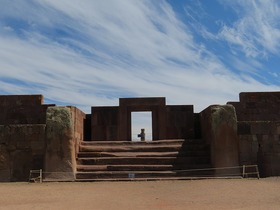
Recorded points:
(60, 162)
(219, 129)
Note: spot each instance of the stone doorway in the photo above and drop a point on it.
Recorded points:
(141, 120)
(154, 105)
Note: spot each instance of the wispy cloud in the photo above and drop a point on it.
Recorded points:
(93, 52)
(257, 31)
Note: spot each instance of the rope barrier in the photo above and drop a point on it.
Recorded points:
(244, 174)
(37, 175)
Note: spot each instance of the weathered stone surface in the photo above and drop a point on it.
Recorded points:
(60, 152)
(22, 109)
(270, 164)
(258, 106)
(180, 122)
(78, 119)
(20, 137)
(246, 156)
(21, 145)
(5, 168)
(104, 123)
(21, 164)
(258, 117)
(261, 150)
(219, 129)
(244, 128)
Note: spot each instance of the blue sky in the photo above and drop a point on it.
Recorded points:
(92, 52)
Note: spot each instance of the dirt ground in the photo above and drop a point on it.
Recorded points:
(189, 194)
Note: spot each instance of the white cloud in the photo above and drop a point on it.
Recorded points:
(257, 32)
(91, 53)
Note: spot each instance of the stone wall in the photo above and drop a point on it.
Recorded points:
(258, 116)
(260, 144)
(105, 123)
(22, 147)
(22, 109)
(258, 106)
(180, 122)
(22, 136)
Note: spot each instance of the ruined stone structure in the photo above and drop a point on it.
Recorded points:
(71, 145)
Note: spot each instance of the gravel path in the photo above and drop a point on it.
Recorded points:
(196, 194)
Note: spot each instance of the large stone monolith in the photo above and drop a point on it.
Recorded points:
(219, 128)
(60, 160)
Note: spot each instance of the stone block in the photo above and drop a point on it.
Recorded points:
(22, 143)
(101, 120)
(2, 135)
(258, 106)
(245, 150)
(243, 128)
(22, 109)
(20, 137)
(270, 164)
(21, 165)
(278, 128)
(5, 167)
(266, 143)
(179, 122)
(261, 128)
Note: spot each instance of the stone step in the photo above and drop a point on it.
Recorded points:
(142, 148)
(131, 148)
(155, 142)
(139, 174)
(181, 142)
(142, 160)
(145, 154)
(146, 179)
(128, 154)
(90, 168)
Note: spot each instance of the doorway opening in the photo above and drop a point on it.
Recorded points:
(141, 120)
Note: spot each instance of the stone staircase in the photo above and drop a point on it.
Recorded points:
(142, 160)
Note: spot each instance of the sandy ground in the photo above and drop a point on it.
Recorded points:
(195, 194)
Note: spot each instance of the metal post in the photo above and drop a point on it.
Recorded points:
(257, 170)
(243, 172)
(41, 175)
